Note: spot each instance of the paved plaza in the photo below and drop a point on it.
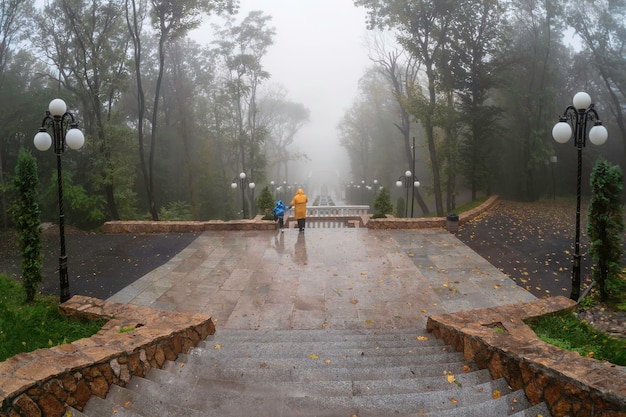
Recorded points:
(324, 278)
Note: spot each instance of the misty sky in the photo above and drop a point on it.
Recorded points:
(318, 56)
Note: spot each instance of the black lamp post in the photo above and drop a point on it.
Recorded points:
(242, 180)
(409, 181)
(574, 120)
(64, 132)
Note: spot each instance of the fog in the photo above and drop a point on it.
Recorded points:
(318, 56)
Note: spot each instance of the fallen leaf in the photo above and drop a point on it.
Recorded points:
(370, 322)
(264, 366)
(314, 356)
(496, 394)
(324, 325)
(453, 400)
(218, 346)
(127, 404)
(466, 368)
(422, 338)
(354, 301)
(327, 361)
(451, 379)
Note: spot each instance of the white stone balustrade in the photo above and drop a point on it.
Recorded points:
(333, 211)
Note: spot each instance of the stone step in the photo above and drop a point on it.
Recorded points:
(332, 388)
(316, 373)
(149, 399)
(262, 372)
(320, 335)
(319, 358)
(305, 348)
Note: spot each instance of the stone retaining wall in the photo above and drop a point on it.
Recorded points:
(258, 224)
(134, 340)
(499, 340)
(429, 222)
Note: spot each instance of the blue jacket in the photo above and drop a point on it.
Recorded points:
(280, 208)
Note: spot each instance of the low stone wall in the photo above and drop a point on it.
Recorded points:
(188, 227)
(258, 224)
(499, 340)
(429, 222)
(134, 340)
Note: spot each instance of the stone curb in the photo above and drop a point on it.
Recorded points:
(498, 339)
(134, 340)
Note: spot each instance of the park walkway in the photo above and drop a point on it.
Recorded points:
(324, 278)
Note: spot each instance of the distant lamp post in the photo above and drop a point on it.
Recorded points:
(64, 132)
(574, 121)
(410, 182)
(241, 182)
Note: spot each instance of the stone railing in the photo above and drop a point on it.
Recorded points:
(134, 340)
(498, 339)
(336, 211)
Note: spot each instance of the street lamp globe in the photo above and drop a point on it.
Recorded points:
(398, 183)
(581, 100)
(252, 185)
(42, 140)
(598, 134)
(233, 185)
(561, 132)
(74, 138)
(416, 184)
(408, 174)
(242, 175)
(57, 107)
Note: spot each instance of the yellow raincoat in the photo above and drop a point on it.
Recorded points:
(299, 204)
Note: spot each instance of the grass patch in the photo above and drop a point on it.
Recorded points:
(27, 327)
(566, 331)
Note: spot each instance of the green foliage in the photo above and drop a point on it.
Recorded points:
(25, 213)
(570, 333)
(81, 208)
(24, 328)
(606, 226)
(176, 211)
(382, 203)
(265, 201)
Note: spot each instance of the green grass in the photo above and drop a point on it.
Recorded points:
(27, 327)
(567, 332)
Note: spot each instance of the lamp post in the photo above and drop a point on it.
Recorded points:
(409, 181)
(240, 181)
(64, 132)
(574, 121)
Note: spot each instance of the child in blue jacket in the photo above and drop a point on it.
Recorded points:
(279, 214)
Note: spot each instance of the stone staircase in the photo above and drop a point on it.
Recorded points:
(316, 373)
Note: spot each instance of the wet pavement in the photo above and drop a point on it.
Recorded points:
(324, 278)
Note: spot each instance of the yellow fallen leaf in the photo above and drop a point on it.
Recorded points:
(590, 354)
(496, 286)
(314, 356)
(451, 379)
(218, 346)
(327, 361)
(324, 325)
(453, 400)
(422, 337)
(370, 322)
(127, 404)
(423, 310)
(496, 394)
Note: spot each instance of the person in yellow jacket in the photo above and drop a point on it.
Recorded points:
(299, 204)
